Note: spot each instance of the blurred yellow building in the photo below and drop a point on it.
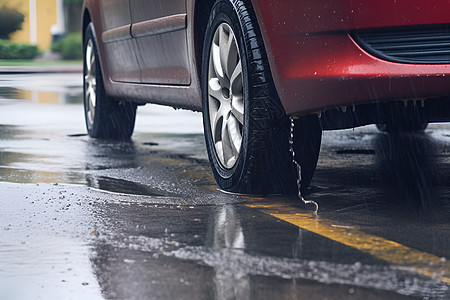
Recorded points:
(42, 19)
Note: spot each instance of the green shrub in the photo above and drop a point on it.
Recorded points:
(10, 21)
(12, 50)
(70, 47)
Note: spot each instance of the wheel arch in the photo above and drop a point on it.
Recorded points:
(86, 19)
(202, 8)
(91, 13)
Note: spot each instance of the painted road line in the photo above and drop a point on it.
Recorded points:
(389, 251)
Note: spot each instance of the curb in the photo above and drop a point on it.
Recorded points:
(40, 69)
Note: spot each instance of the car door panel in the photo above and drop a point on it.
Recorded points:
(120, 48)
(159, 28)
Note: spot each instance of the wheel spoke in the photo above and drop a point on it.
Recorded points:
(224, 44)
(92, 96)
(235, 135)
(218, 122)
(91, 55)
(214, 89)
(232, 56)
(217, 65)
(236, 80)
(219, 150)
(90, 100)
(88, 57)
(237, 102)
(216, 128)
(227, 142)
(91, 86)
(237, 108)
(92, 64)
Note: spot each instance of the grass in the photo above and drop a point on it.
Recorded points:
(31, 63)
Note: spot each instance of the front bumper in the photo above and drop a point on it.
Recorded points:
(316, 64)
(328, 71)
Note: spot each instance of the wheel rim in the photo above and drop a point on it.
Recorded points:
(225, 96)
(90, 82)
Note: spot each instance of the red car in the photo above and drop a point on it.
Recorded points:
(253, 66)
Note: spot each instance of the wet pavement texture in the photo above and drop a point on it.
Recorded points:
(90, 219)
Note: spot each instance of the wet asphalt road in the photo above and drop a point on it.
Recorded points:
(89, 219)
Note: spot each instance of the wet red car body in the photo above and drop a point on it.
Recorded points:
(316, 63)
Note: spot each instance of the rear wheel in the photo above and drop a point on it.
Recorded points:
(105, 118)
(401, 118)
(246, 128)
(402, 127)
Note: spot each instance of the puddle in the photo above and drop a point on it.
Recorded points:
(231, 263)
(45, 88)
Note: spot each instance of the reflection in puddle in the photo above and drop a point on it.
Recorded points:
(69, 96)
(223, 260)
(229, 236)
(43, 88)
(27, 158)
(9, 93)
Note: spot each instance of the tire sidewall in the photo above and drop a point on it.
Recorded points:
(224, 11)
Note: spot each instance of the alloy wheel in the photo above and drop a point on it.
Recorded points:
(90, 82)
(225, 95)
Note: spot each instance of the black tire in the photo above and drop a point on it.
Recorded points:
(396, 127)
(106, 118)
(401, 118)
(264, 163)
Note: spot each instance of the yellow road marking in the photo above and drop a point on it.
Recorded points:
(390, 251)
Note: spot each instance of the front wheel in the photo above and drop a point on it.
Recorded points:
(105, 118)
(246, 128)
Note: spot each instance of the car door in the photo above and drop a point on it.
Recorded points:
(120, 48)
(159, 28)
